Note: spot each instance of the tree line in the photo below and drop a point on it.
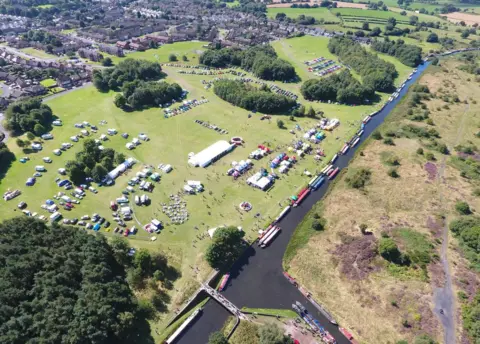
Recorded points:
(410, 55)
(251, 98)
(341, 87)
(376, 73)
(92, 162)
(43, 37)
(28, 115)
(62, 285)
(262, 61)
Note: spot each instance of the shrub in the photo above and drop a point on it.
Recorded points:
(317, 225)
(377, 135)
(389, 141)
(172, 58)
(388, 249)
(463, 208)
(357, 179)
(280, 124)
(420, 151)
(430, 157)
(392, 172)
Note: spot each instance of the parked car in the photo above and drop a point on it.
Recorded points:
(22, 205)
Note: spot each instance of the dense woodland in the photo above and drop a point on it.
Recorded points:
(43, 37)
(262, 61)
(126, 71)
(409, 55)
(252, 98)
(143, 94)
(376, 73)
(341, 87)
(28, 116)
(92, 162)
(61, 285)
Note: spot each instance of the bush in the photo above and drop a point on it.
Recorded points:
(388, 249)
(389, 141)
(377, 135)
(463, 208)
(393, 172)
(172, 58)
(358, 178)
(430, 157)
(318, 225)
(280, 124)
(20, 143)
(420, 151)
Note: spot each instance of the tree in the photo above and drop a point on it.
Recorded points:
(39, 129)
(311, 112)
(20, 143)
(388, 250)
(107, 62)
(172, 58)
(120, 101)
(217, 338)
(462, 208)
(98, 173)
(143, 261)
(270, 333)
(30, 136)
(225, 248)
(465, 34)
(317, 225)
(280, 124)
(184, 58)
(366, 26)
(432, 38)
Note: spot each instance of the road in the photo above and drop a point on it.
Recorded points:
(27, 56)
(257, 279)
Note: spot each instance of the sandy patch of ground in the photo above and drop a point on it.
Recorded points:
(457, 17)
(279, 4)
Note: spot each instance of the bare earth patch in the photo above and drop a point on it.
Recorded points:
(431, 169)
(457, 17)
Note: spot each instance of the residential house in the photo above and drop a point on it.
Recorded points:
(35, 90)
(64, 81)
(123, 45)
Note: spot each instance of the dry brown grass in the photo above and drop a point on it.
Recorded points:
(363, 295)
(457, 17)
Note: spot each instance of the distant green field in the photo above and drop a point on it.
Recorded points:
(38, 53)
(317, 13)
(357, 14)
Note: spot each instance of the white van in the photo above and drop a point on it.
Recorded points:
(40, 168)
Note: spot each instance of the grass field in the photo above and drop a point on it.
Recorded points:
(48, 83)
(360, 13)
(340, 265)
(171, 141)
(38, 53)
(191, 49)
(284, 313)
(317, 13)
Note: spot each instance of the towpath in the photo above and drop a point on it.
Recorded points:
(444, 298)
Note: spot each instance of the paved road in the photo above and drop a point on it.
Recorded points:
(257, 279)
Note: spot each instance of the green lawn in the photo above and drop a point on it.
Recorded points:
(233, 3)
(317, 13)
(37, 53)
(191, 49)
(284, 313)
(171, 141)
(48, 83)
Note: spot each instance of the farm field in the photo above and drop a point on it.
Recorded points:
(171, 141)
(351, 14)
(38, 53)
(469, 19)
(191, 49)
(342, 268)
(320, 13)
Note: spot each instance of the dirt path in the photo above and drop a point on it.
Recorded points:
(444, 297)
